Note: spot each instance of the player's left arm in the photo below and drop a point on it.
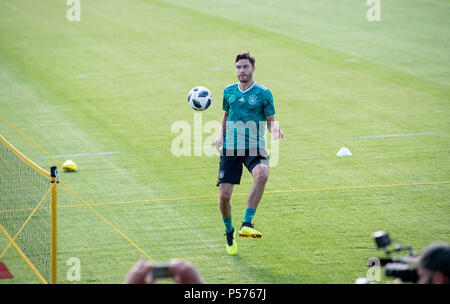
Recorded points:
(269, 112)
(273, 127)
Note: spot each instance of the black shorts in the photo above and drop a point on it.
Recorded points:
(230, 164)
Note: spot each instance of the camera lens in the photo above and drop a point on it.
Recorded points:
(401, 271)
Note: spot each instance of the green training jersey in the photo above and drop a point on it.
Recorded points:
(246, 123)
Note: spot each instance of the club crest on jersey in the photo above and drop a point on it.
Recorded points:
(252, 99)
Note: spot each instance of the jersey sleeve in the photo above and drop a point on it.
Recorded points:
(269, 109)
(226, 105)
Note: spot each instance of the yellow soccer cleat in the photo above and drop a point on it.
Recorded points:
(248, 231)
(231, 245)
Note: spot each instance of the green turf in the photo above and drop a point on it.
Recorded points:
(141, 58)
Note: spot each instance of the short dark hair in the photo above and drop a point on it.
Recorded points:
(245, 55)
(437, 257)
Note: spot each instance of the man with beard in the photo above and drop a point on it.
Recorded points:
(247, 107)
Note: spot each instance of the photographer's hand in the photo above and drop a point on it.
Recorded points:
(185, 273)
(141, 273)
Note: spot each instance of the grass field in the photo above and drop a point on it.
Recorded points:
(117, 81)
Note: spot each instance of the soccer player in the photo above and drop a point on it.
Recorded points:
(247, 107)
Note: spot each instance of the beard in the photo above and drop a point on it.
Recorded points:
(245, 78)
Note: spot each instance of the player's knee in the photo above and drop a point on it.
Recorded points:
(261, 176)
(225, 196)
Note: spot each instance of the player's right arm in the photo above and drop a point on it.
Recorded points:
(219, 140)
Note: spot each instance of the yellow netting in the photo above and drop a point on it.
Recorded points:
(25, 207)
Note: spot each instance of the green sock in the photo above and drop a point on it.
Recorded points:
(249, 214)
(228, 224)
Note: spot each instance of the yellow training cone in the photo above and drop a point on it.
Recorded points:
(70, 166)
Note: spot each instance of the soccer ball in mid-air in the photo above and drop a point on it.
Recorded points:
(200, 98)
